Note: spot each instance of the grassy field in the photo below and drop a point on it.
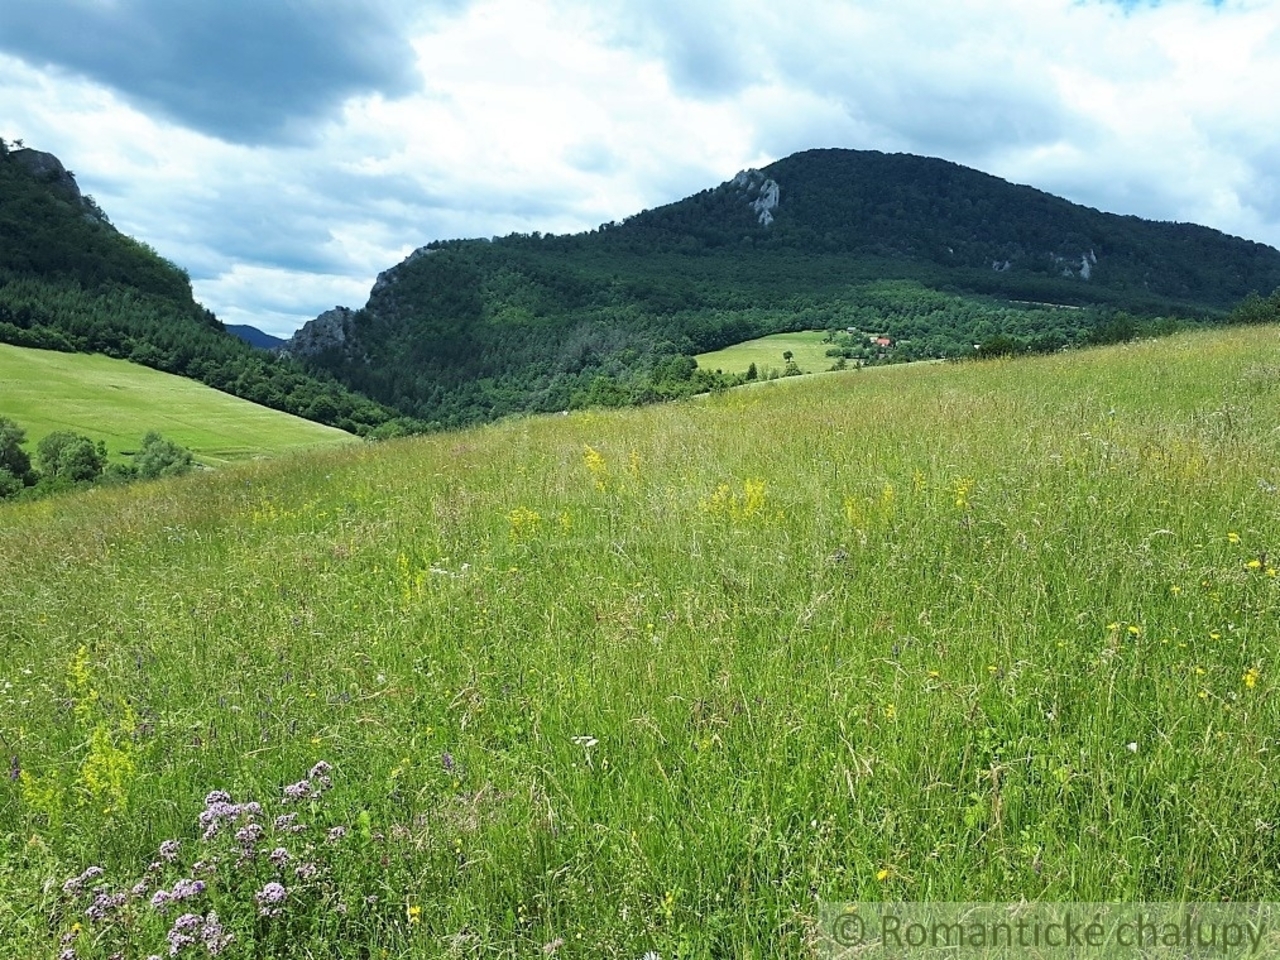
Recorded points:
(807, 348)
(118, 402)
(663, 679)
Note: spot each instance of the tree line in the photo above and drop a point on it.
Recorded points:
(65, 460)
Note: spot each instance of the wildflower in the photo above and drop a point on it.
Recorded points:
(1135, 630)
(1254, 564)
(883, 874)
(279, 856)
(1251, 677)
(15, 768)
(160, 899)
(1233, 537)
(215, 939)
(1132, 746)
(104, 904)
(305, 871)
(298, 791)
(335, 834)
(413, 912)
(76, 884)
(320, 773)
(248, 835)
(890, 711)
(187, 888)
(585, 741)
(169, 850)
(446, 761)
(269, 897)
(553, 946)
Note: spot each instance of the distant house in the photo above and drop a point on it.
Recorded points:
(882, 341)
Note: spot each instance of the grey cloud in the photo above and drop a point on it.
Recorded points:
(243, 71)
(708, 48)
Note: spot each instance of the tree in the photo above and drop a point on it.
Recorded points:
(13, 459)
(161, 458)
(68, 456)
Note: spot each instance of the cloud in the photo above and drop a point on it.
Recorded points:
(245, 71)
(286, 153)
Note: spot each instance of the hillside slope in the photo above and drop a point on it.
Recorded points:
(932, 255)
(70, 281)
(665, 679)
(118, 402)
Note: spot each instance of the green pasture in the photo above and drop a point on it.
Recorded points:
(118, 402)
(807, 348)
(661, 681)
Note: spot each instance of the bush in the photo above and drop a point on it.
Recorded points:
(68, 456)
(161, 458)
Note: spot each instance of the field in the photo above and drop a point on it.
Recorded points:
(807, 348)
(118, 402)
(662, 679)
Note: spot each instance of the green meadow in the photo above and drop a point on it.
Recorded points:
(807, 349)
(118, 402)
(660, 680)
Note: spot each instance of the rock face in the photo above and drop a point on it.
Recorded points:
(47, 167)
(329, 331)
(760, 192)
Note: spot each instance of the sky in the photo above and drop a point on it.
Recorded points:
(284, 152)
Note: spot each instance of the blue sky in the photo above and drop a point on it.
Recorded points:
(286, 151)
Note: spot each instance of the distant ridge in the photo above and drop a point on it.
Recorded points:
(934, 256)
(254, 337)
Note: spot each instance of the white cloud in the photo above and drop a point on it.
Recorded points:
(562, 114)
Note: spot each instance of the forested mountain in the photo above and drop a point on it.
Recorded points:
(70, 281)
(935, 257)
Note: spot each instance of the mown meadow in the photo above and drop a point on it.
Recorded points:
(660, 681)
(116, 402)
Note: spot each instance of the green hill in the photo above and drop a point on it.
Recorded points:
(665, 679)
(934, 256)
(70, 281)
(118, 402)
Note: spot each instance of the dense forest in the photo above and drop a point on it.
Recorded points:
(70, 281)
(940, 260)
(920, 258)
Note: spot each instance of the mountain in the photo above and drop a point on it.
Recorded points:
(931, 255)
(253, 336)
(70, 281)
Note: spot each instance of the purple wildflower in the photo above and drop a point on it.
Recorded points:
(321, 770)
(15, 768)
(140, 889)
(103, 904)
(279, 856)
(76, 884)
(67, 954)
(269, 897)
(336, 834)
(200, 867)
(286, 823)
(249, 834)
(217, 796)
(169, 850)
(187, 888)
(161, 899)
(214, 938)
(305, 871)
(446, 761)
(298, 791)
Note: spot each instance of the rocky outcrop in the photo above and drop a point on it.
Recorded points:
(47, 167)
(329, 331)
(761, 193)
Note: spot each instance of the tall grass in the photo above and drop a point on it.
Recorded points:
(661, 680)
